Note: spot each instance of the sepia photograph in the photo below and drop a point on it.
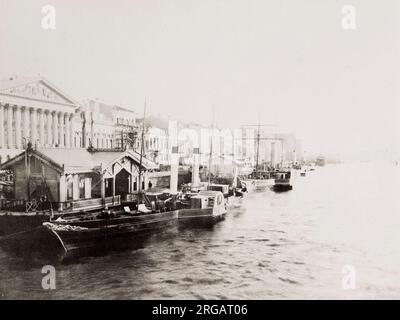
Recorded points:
(205, 150)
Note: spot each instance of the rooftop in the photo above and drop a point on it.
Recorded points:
(81, 160)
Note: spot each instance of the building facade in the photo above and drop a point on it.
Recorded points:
(73, 179)
(33, 109)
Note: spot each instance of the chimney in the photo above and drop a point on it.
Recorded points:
(174, 156)
(195, 167)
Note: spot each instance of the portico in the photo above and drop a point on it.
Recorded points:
(34, 110)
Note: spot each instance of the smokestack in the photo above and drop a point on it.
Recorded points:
(195, 167)
(173, 186)
(174, 159)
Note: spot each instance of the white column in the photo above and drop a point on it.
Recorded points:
(195, 167)
(173, 186)
(56, 139)
(67, 131)
(2, 145)
(18, 138)
(62, 142)
(63, 188)
(71, 130)
(41, 128)
(34, 133)
(48, 128)
(55, 129)
(102, 188)
(10, 127)
(88, 188)
(25, 111)
(75, 187)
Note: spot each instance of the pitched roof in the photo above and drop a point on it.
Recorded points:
(125, 109)
(81, 160)
(73, 160)
(14, 82)
(17, 81)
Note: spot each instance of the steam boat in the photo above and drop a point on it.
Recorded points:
(320, 161)
(282, 181)
(258, 181)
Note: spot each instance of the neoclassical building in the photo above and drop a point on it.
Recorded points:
(33, 109)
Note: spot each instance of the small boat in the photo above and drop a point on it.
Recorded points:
(320, 161)
(232, 195)
(258, 181)
(302, 173)
(206, 208)
(95, 231)
(282, 181)
(296, 166)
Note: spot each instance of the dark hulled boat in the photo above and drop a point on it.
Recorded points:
(282, 181)
(320, 161)
(91, 232)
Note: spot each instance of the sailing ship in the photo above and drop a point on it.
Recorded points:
(259, 180)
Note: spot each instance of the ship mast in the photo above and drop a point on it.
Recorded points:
(258, 145)
(258, 139)
(211, 145)
(142, 146)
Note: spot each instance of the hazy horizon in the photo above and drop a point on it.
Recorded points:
(286, 63)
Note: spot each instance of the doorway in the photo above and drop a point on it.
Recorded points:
(122, 182)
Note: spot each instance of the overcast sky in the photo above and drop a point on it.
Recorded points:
(285, 62)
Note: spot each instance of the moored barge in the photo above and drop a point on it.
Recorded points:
(92, 232)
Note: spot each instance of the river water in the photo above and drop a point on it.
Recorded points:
(335, 235)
